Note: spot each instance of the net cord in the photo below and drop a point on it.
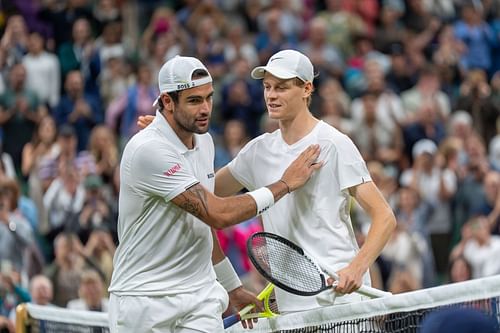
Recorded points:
(421, 299)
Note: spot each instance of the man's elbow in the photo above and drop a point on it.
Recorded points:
(390, 221)
(219, 221)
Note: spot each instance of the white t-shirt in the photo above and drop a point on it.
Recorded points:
(316, 216)
(483, 258)
(163, 249)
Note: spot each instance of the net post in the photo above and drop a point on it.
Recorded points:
(21, 318)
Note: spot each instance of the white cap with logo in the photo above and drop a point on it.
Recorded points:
(287, 64)
(176, 74)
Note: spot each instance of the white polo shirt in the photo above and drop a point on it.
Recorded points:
(163, 250)
(316, 216)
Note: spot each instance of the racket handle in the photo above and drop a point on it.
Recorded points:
(233, 319)
(366, 290)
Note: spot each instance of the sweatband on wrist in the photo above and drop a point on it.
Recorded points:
(226, 275)
(263, 197)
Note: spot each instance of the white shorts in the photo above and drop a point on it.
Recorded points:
(200, 311)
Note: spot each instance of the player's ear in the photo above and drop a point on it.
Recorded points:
(168, 102)
(308, 89)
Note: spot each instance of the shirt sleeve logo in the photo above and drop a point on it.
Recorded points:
(172, 170)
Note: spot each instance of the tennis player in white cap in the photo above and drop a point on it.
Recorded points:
(163, 278)
(316, 216)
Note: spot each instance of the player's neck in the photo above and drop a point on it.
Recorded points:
(294, 129)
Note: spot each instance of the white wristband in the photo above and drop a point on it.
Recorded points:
(226, 275)
(263, 197)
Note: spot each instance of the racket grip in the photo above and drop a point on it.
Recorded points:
(231, 320)
(366, 290)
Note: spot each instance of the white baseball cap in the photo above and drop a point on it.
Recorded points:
(424, 146)
(287, 64)
(176, 74)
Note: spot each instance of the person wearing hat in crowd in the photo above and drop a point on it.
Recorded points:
(163, 278)
(436, 184)
(316, 216)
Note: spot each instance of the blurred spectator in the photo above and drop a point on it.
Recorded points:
(105, 12)
(61, 15)
(78, 108)
(234, 138)
(209, 46)
(12, 293)
(427, 124)
(104, 148)
(426, 91)
(63, 201)
(20, 112)
(477, 36)
(43, 75)
(389, 111)
(476, 98)
(95, 212)
(412, 214)
(436, 185)
(402, 280)
(271, 37)
(400, 76)
(374, 139)
(241, 98)
(390, 28)
(66, 268)
(481, 249)
(115, 77)
(342, 26)
(67, 154)
(446, 57)
(491, 208)
(90, 292)
(100, 249)
(14, 42)
(41, 290)
(122, 112)
(367, 10)
(238, 45)
(41, 147)
(16, 234)
(81, 54)
(324, 57)
(459, 270)
(205, 9)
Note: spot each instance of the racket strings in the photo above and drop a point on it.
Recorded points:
(286, 265)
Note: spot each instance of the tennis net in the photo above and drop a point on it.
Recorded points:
(31, 318)
(398, 313)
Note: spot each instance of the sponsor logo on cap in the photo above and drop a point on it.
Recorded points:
(186, 85)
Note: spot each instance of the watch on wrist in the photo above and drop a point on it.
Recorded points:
(12, 226)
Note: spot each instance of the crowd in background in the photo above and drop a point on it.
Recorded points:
(414, 83)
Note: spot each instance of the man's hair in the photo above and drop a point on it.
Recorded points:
(298, 82)
(174, 95)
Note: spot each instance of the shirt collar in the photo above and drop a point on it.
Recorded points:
(162, 124)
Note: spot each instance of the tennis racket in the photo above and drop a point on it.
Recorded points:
(285, 264)
(244, 314)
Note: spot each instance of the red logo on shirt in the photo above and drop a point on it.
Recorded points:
(172, 170)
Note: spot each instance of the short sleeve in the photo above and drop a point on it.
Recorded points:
(350, 167)
(158, 169)
(240, 167)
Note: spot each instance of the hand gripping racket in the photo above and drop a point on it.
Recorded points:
(244, 314)
(285, 264)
